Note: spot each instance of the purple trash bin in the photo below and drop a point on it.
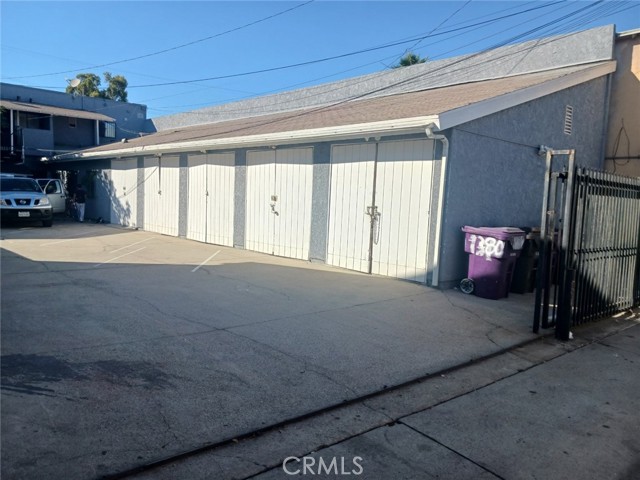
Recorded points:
(493, 252)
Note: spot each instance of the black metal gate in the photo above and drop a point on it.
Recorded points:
(589, 264)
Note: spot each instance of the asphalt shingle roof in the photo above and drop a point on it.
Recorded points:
(406, 105)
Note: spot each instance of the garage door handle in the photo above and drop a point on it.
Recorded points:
(376, 227)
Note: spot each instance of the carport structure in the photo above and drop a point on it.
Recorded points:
(375, 174)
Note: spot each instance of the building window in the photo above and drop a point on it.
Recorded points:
(108, 129)
(72, 122)
(568, 120)
(36, 121)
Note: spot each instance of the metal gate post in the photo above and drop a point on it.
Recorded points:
(565, 297)
(542, 284)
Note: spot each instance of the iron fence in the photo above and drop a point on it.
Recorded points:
(590, 245)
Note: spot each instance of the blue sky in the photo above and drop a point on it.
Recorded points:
(45, 43)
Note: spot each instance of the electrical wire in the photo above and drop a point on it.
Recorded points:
(364, 95)
(592, 16)
(420, 77)
(350, 84)
(415, 45)
(535, 147)
(409, 80)
(473, 26)
(159, 52)
(334, 57)
(616, 146)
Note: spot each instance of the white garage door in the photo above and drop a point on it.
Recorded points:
(161, 194)
(211, 197)
(352, 168)
(124, 192)
(380, 208)
(278, 208)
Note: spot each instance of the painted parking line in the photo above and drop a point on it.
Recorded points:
(129, 246)
(120, 256)
(68, 239)
(203, 263)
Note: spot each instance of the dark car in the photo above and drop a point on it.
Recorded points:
(22, 199)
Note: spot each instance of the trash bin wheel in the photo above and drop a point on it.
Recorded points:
(467, 286)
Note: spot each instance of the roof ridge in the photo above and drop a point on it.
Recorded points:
(501, 62)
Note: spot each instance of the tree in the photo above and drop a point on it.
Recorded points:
(89, 86)
(408, 59)
(117, 89)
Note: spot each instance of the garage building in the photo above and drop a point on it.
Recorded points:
(375, 174)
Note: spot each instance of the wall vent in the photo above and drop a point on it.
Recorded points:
(568, 120)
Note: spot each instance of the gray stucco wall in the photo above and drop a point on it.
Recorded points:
(183, 207)
(240, 189)
(81, 136)
(495, 175)
(320, 202)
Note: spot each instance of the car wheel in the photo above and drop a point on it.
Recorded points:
(47, 223)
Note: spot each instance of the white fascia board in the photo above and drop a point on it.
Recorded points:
(481, 109)
(346, 132)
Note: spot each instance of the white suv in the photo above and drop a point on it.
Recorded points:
(22, 199)
(54, 189)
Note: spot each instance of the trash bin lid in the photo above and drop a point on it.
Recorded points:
(501, 233)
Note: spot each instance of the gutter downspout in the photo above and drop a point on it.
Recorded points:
(443, 173)
(605, 123)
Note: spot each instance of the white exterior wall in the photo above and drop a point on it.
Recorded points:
(352, 169)
(161, 194)
(124, 191)
(275, 216)
(278, 202)
(210, 198)
(392, 183)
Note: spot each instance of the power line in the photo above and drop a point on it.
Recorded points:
(438, 26)
(343, 55)
(435, 71)
(281, 102)
(462, 30)
(159, 52)
(303, 113)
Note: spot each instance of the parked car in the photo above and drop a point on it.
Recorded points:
(54, 189)
(22, 199)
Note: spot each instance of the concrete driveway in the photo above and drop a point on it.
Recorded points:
(123, 347)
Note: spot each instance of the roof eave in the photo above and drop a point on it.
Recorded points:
(401, 126)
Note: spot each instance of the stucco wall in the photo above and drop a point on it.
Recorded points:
(83, 135)
(495, 175)
(623, 140)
